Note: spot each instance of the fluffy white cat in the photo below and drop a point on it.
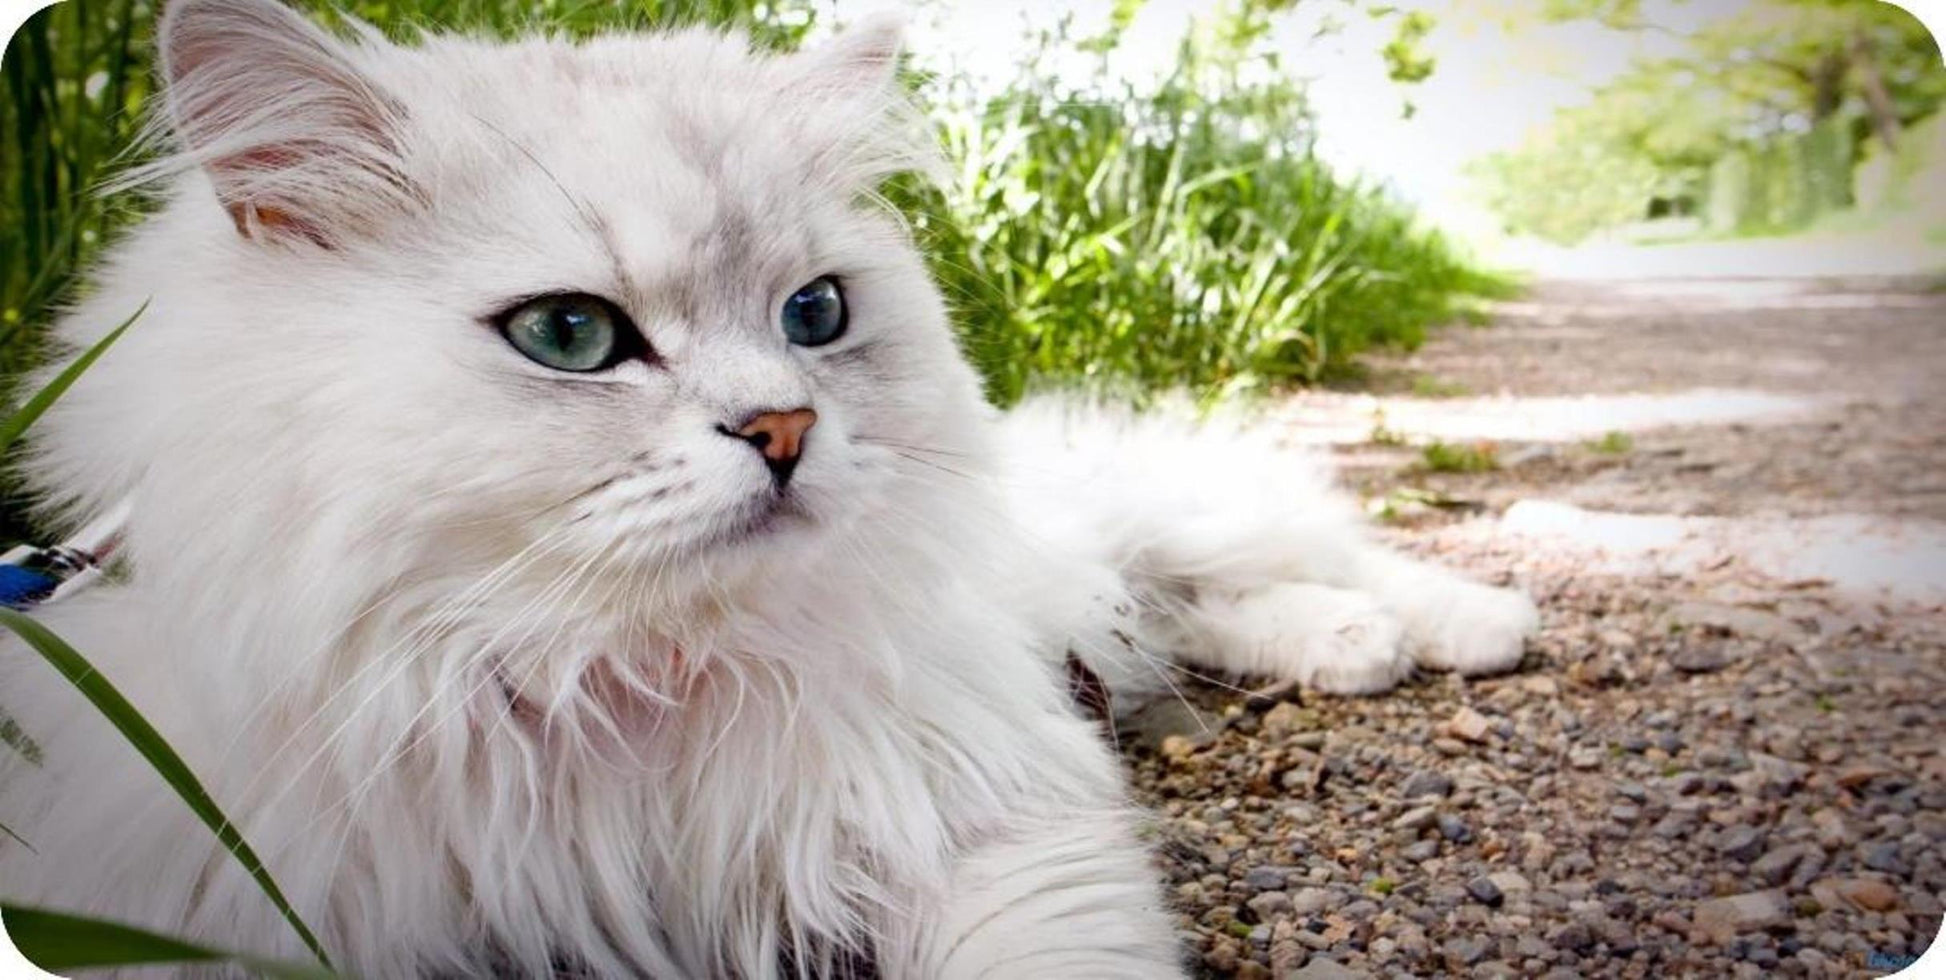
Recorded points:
(567, 539)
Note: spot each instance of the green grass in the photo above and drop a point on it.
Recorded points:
(1183, 236)
(1612, 443)
(1446, 457)
(1427, 386)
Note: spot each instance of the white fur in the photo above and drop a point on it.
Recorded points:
(1211, 544)
(499, 670)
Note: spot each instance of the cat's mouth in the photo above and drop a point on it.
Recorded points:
(768, 515)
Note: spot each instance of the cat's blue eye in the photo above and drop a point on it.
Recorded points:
(571, 332)
(815, 315)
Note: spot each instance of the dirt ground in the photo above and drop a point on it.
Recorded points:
(1726, 752)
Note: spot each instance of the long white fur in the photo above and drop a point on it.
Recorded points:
(485, 662)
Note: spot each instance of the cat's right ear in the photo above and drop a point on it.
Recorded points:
(299, 144)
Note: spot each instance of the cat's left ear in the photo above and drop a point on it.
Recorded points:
(860, 61)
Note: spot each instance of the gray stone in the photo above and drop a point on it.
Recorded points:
(1741, 843)
(1426, 783)
(1724, 918)
(1485, 891)
(1575, 936)
(1268, 877)
(1322, 969)
(1701, 659)
(1420, 851)
(1466, 950)
(1884, 856)
(1416, 819)
(1311, 901)
(1153, 722)
(1269, 904)
(1454, 829)
(1775, 867)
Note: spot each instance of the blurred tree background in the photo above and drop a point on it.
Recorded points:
(1175, 234)
(1772, 116)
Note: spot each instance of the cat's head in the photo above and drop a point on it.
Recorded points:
(628, 300)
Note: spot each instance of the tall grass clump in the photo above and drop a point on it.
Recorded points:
(1179, 235)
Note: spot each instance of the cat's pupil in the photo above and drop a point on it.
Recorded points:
(571, 332)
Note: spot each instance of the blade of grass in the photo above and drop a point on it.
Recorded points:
(18, 422)
(9, 831)
(160, 756)
(58, 941)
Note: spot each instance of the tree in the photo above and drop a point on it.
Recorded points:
(1806, 82)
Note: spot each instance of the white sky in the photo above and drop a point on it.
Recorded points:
(1490, 87)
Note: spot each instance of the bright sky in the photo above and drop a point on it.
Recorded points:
(1490, 87)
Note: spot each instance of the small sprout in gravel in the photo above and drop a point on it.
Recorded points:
(1825, 704)
(1241, 930)
(1383, 886)
(1427, 386)
(1612, 443)
(1381, 435)
(1447, 457)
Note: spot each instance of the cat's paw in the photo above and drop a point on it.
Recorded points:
(1359, 649)
(1472, 629)
(1327, 639)
(1337, 641)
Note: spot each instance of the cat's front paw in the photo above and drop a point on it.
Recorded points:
(1355, 647)
(1472, 629)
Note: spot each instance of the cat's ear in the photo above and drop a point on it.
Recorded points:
(299, 144)
(859, 124)
(861, 60)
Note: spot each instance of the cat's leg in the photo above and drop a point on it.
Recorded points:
(1068, 897)
(1323, 604)
(1326, 638)
(1451, 622)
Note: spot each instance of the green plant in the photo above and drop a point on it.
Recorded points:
(1381, 435)
(1427, 386)
(1179, 236)
(58, 941)
(1446, 457)
(1612, 443)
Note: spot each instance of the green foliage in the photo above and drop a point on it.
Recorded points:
(160, 756)
(1405, 62)
(1756, 123)
(1427, 386)
(1447, 457)
(1179, 236)
(57, 941)
(14, 425)
(1613, 443)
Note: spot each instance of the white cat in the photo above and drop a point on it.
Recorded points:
(567, 538)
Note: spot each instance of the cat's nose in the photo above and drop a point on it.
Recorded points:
(779, 436)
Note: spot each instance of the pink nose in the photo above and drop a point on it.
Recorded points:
(779, 436)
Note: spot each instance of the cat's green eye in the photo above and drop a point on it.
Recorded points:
(815, 315)
(571, 332)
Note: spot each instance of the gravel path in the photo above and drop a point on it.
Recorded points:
(1701, 769)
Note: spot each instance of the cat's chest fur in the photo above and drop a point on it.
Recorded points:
(624, 801)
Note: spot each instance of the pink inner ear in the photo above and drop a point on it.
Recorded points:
(295, 140)
(254, 218)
